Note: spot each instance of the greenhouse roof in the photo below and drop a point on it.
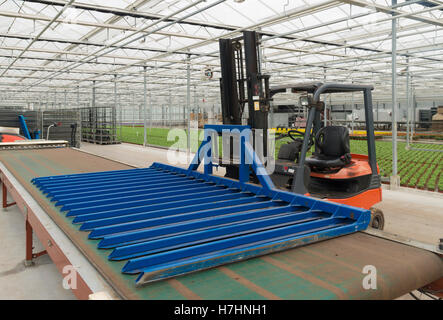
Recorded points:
(56, 46)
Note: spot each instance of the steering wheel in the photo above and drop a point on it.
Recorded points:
(292, 132)
(295, 136)
(302, 136)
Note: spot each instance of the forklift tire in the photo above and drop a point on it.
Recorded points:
(377, 219)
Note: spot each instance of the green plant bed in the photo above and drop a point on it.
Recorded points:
(364, 138)
(418, 168)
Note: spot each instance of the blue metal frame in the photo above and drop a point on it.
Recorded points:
(246, 152)
(25, 130)
(166, 221)
(24, 127)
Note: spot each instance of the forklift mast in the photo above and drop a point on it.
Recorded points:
(242, 82)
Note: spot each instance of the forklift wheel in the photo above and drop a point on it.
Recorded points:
(377, 219)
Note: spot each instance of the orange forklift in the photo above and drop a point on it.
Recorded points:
(333, 172)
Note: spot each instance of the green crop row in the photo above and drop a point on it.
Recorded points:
(421, 169)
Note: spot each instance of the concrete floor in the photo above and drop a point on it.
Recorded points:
(132, 154)
(412, 214)
(39, 282)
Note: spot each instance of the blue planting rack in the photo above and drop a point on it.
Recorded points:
(167, 221)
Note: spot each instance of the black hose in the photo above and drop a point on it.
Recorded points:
(73, 134)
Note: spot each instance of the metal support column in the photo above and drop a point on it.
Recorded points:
(414, 109)
(352, 111)
(5, 203)
(114, 116)
(150, 111)
(170, 108)
(196, 106)
(378, 107)
(188, 104)
(78, 96)
(30, 255)
(214, 114)
(28, 241)
(408, 104)
(133, 109)
(325, 115)
(93, 94)
(145, 106)
(394, 179)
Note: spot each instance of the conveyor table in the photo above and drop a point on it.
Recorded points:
(331, 269)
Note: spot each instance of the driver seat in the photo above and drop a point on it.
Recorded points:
(332, 149)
